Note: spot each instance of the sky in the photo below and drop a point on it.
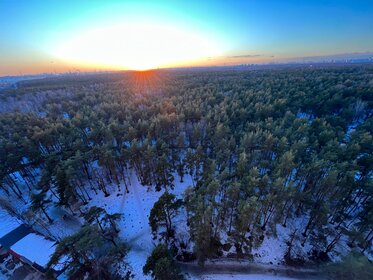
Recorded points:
(61, 36)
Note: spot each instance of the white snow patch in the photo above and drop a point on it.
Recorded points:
(274, 247)
(134, 225)
(8, 223)
(64, 224)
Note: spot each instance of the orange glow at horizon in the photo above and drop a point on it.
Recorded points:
(145, 82)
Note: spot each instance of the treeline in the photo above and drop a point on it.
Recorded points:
(263, 148)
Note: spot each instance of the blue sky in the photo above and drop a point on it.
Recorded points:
(30, 31)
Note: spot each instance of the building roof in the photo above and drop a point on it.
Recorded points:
(14, 236)
(35, 248)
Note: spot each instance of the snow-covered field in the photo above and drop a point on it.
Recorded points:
(135, 206)
(273, 248)
(134, 224)
(8, 223)
(135, 230)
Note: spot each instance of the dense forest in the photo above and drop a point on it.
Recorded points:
(264, 149)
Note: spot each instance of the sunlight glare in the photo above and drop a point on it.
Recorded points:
(137, 46)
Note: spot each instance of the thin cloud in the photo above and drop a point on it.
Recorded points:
(245, 56)
(210, 58)
(250, 56)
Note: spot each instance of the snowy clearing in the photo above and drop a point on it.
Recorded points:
(8, 223)
(134, 224)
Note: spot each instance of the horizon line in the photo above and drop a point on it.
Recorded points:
(328, 59)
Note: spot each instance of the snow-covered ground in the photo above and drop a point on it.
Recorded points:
(274, 247)
(234, 269)
(21, 208)
(134, 224)
(244, 277)
(7, 222)
(135, 230)
(135, 207)
(61, 226)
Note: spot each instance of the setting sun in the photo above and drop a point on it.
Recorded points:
(137, 46)
(186, 139)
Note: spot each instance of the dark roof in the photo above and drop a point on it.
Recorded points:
(14, 236)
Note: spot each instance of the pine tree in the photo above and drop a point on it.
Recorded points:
(163, 212)
(86, 254)
(40, 202)
(161, 266)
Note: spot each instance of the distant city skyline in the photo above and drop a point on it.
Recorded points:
(61, 36)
